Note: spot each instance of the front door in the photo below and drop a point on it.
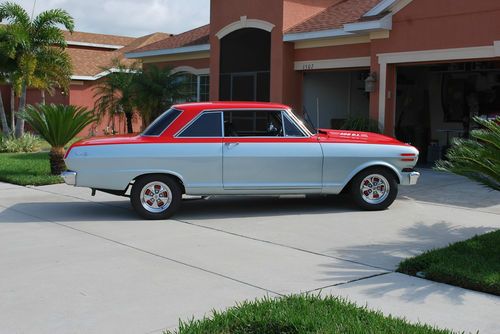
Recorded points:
(243, 87)
(264, 150)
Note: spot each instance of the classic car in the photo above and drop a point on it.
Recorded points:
(240, 148)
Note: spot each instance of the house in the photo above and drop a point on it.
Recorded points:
(91, 55)
(420, 68)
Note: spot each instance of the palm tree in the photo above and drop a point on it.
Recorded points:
(477, 158)
(30, 41)
(53, 71)
(7, 67)
(156, 89)
(58, 125)
(115, 94)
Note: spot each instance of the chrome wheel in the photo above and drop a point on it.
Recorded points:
(374, 188)
(156, 197)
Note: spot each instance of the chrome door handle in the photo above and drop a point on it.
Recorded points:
(228, 145)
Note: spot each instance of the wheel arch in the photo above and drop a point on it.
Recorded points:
(369, 165)
(170, 174)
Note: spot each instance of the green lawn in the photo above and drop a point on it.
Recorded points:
(472, 264)
(300, 314)
(26, 169)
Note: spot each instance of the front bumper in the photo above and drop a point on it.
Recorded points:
(69, 177)
(409, 178)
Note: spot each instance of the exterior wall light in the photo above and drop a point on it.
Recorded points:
(370, 83)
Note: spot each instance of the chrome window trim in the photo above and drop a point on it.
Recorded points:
(178, 134)
(285, 114)
(298, 123)
(173, 121)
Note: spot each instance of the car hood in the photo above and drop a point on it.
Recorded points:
(358, 137)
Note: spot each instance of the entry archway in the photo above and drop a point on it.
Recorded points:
(245, 64)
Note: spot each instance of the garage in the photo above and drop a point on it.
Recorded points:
(436, 103)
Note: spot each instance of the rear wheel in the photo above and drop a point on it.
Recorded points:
(156, 196)
(374, 189)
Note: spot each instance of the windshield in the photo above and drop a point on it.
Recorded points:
(303, 122)
(161, 123)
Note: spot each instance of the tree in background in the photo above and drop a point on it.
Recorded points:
(36, 45)
(116, 93)
(58, 125)
(477, 158)
(156, 90)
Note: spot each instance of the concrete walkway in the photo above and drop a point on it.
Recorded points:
(72, 263)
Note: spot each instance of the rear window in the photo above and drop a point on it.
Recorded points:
(207, 125)
(162, 123)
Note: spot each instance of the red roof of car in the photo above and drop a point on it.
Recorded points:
(229, 105)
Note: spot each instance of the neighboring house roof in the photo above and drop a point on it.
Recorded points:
(90, 60)
(198, 36)
(335, 16)
(102, 39)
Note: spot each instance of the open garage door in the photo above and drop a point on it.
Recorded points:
(436, 103)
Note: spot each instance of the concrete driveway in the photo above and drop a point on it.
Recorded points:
(72, 263)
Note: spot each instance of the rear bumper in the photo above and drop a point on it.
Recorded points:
(409, 178)
(69, 177)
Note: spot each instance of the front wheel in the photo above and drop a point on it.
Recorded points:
(374, 189)
(156, 196)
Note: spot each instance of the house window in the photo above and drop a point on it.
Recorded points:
(195, 88)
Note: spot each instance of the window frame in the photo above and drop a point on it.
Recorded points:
(157, 120)
(284, 113)
(178, 134)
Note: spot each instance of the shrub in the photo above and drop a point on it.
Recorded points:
(58, 125)
(24, 144)
(361, 124)
(477, 158)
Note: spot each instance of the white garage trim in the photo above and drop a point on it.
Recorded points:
(244, 22)
(192, 70)
(332, 63)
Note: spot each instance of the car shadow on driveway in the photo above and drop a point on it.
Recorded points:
(68, 212)
(223, 207)
(217, 207)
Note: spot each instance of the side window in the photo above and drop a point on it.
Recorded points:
(253, 123)
(291, 129)
(162, 123)
(207, 125)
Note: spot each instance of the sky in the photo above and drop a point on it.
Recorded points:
(129, 17)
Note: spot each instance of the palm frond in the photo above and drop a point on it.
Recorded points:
(14, 13)
(477, 158)
(53, 17)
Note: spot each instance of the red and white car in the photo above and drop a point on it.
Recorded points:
(240, 148)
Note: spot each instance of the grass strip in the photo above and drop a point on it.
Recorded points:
(472, 264)
(300, 314)
(27, 169)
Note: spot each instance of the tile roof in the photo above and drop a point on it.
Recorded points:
(87, 37)
(335, 16)
(92, 61)
(198, 36)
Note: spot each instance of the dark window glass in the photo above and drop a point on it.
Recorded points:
(291, 130)
(204, 88)
(207, 125)
(162, 123)
(252, 123)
